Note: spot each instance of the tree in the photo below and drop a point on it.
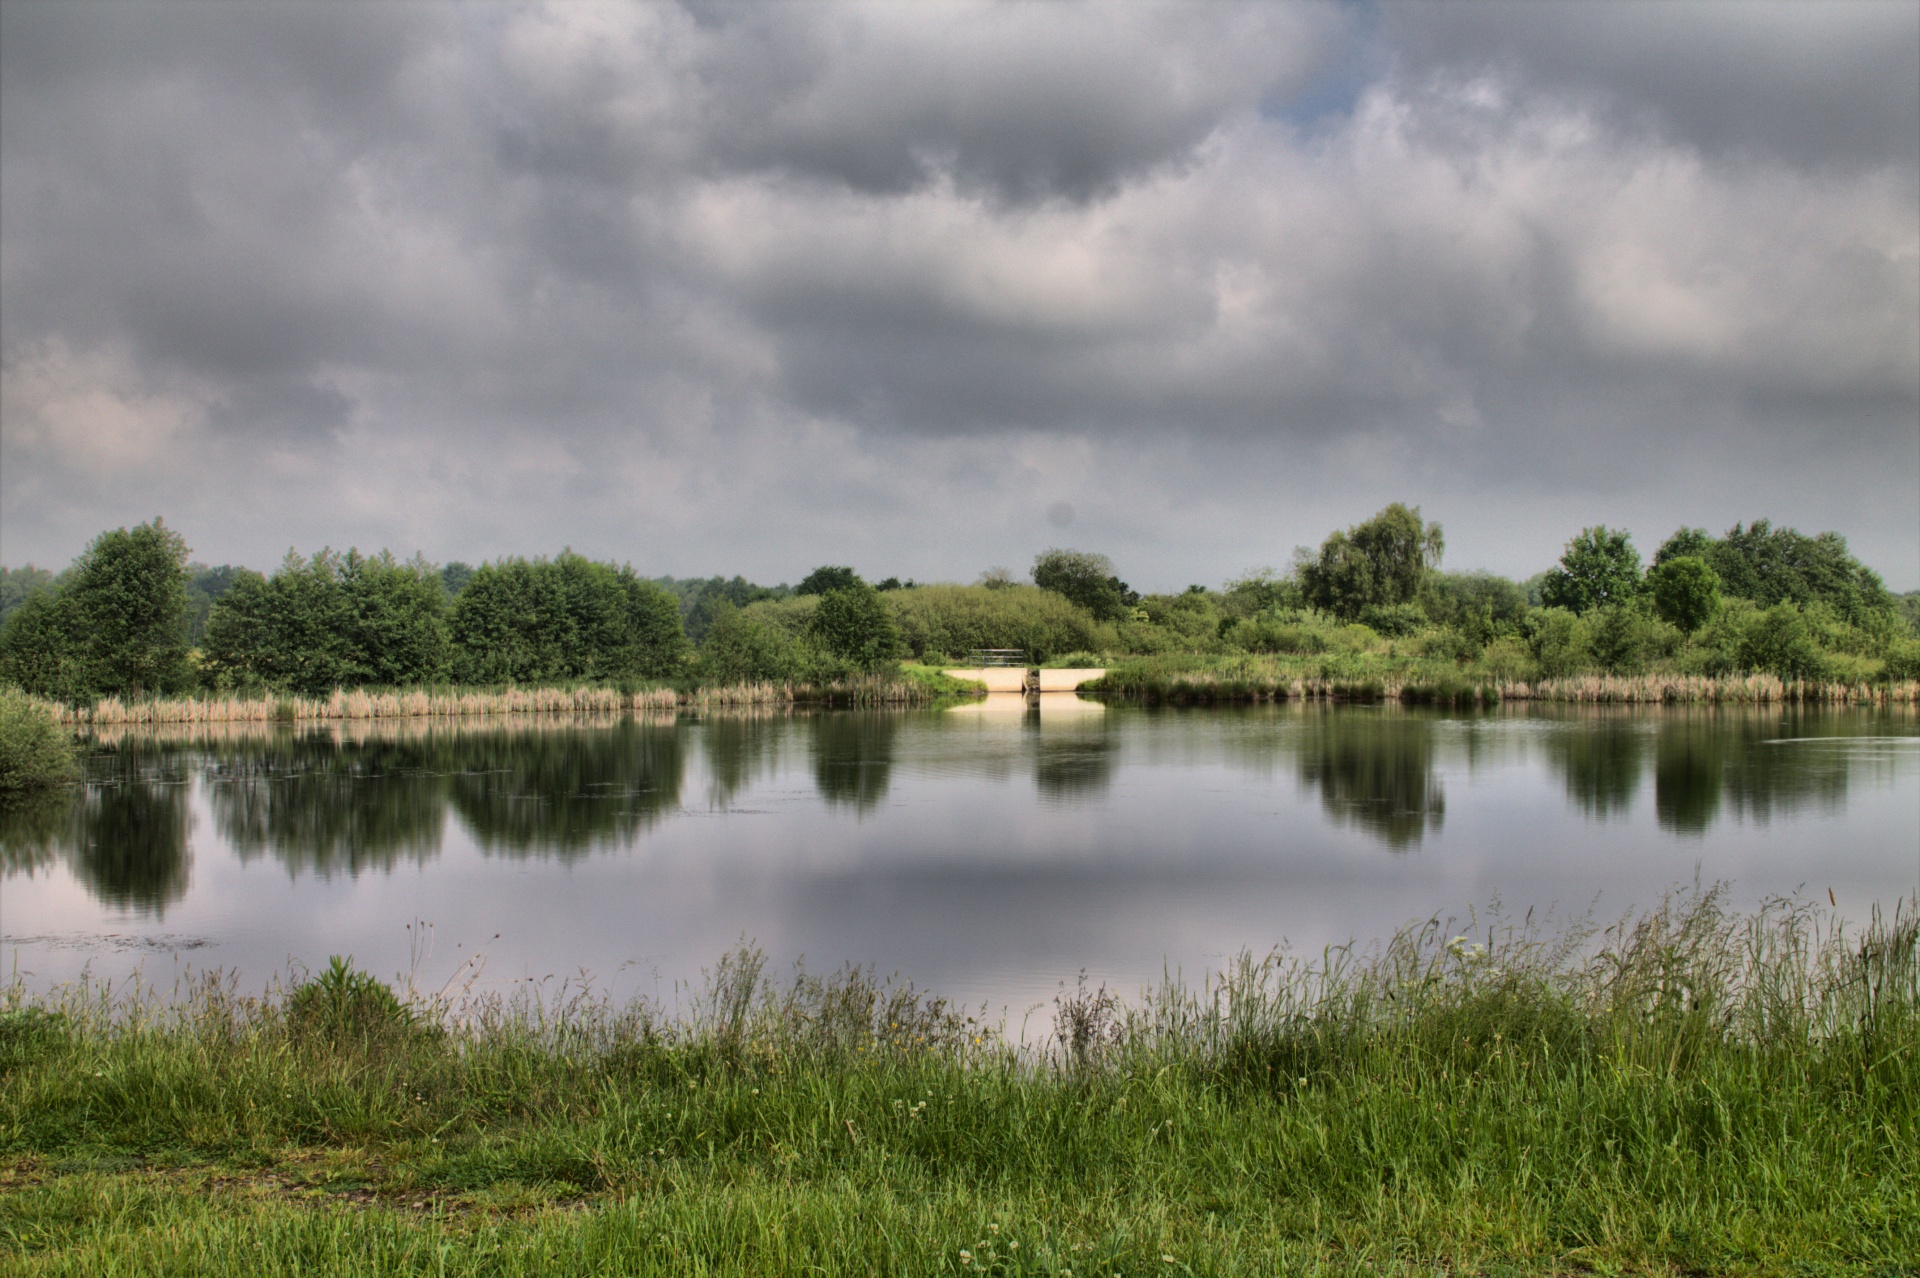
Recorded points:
(855, 624)
(825, 579)
(1087, 579)
(128, 595)
(1685, 591)
(566, 618)
(40, 648)
(1376, 564)
(1599, 567)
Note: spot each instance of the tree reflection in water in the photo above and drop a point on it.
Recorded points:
(322, 806)
(128, 841)
(564, 792)
(853, 756)
(1689, 772)
(1374, 771)
(1600, 755)
(742, 746)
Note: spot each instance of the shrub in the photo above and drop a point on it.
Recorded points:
(1902, 660)
(1560, 641)
(957, 619)
(344, 1004)
(1087, 579)
(1396, 621)
(743, 648)
(1626, 636)
(855, 624)
(36, 753)
(1779, 642)
(1685, 591)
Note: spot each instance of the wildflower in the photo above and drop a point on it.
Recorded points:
(1168, 1259)
(966, 1257)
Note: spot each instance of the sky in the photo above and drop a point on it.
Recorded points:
(928, 288)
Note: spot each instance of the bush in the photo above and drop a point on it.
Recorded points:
(1685, 591)
(743, 648)
(36, 753)
(1625, 637)
(855, 624)
(344, 1005)
(954, 620)
(1396, 621)
(1561, 642)
(1902, 660)
(1779, 642)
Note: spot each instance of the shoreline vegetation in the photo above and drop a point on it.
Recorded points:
(1194, 682)
(1691, 1090)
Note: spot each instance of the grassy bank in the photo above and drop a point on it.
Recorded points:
(1688, 1092)
(1201, 680)
(905, 686)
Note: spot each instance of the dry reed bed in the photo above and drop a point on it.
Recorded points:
(347, 706)
(1757, 689)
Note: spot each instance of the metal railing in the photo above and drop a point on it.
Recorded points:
(998, 657)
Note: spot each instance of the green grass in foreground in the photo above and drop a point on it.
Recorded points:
(1690, 1092)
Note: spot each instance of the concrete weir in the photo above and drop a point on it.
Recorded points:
(1014, 679)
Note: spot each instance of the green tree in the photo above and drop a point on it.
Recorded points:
(1600, 567)
(527, 621)
(115, 623)
(17, 583)
(1376, 564)
(1685, 591)
(855, 624)
(739, 648)
(1779, 642)
(1087, 579)
(825, 579)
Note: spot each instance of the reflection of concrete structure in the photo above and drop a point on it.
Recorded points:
(1055, 706)
(1014, 679)
(995, 705)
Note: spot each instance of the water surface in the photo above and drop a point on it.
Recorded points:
(989, 852)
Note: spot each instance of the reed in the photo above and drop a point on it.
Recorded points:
(1201, 681)
(1690, 1090)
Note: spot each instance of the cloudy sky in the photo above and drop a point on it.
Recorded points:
(929, 287)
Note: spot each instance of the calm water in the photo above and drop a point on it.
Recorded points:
(987, 852)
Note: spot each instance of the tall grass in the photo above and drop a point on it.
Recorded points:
(346, 705)
(1198, 680)
(1692, 1090)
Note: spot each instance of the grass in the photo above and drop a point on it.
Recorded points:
(907, 686)
(1691, 1091)
(1200, 680)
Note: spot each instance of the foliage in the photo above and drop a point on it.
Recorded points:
(825, 579)
(330, 621)
(525, 621)
(17, 583)
(1472, 598)
(1379, 563)
(937, 622)
(1087, 579)
(1626, 637)
(1779, 642)
(1902, 660)
(116, 625)
(701, 598)
(1689, 1091)
(1776, 565)
(454, 576)
(854, 623)
(1261, 590)
(1561, 641)
(1396, 621)
(36, 753)
(1599, 567)
(343, 1005)
(1685, 591)
(740, 647)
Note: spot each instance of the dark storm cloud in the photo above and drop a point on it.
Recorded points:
(1811, 84)
(754, 286)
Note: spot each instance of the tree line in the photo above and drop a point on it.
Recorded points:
(133, 617)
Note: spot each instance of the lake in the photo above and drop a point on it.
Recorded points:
(989, 852)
